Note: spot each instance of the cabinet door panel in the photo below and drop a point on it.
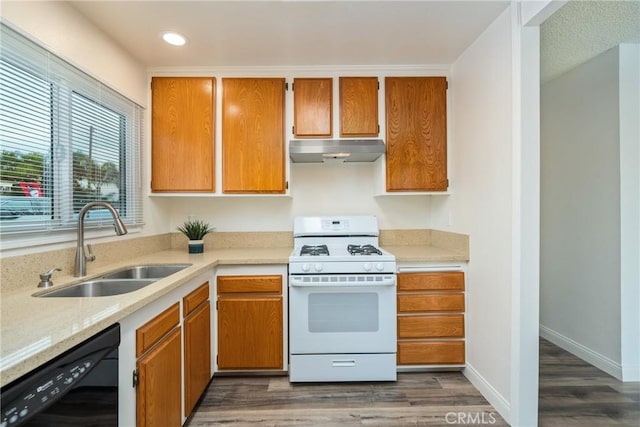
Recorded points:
(250, 333)
(359, 106)
(197, 355)
(159, 387)
(182, 134)
(253, 146)
(416, 124)
(313, 107)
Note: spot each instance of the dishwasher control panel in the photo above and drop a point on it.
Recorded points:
(44, 392)
(33, 396)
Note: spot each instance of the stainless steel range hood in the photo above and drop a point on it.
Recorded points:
(345, 150)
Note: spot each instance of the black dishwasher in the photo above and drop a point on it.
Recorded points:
(77, 388)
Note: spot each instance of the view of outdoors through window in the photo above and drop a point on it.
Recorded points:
(59, 150)
(97, 139)
(25, 135)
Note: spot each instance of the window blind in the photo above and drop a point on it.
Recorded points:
(66, 139)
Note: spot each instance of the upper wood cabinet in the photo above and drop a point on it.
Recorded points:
(359, 106)
(313, 107)
(253, 144)
(416, 125)
(182, 134)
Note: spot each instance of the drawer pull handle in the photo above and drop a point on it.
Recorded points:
(343, 363)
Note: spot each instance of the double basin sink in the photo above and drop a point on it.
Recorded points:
(117, 282)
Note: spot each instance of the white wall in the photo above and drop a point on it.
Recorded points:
(69, 35)
(317, 189)
(526, 224)
(580, 211)
(630, 209)
(534, 12)
(482, 204)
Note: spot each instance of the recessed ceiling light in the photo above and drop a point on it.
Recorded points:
(174, 38)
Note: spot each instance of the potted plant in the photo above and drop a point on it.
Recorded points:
(195, 230)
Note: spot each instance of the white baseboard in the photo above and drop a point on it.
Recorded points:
(585, 353)
(491, 394)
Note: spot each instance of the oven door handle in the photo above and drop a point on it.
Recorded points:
(391, 281)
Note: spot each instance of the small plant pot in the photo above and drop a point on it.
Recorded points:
(196, 246)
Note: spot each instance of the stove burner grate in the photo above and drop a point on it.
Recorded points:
(314, 250)
(363, 250)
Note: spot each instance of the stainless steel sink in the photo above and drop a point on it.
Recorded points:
(99, 288)
(152, 271)
(117, 282)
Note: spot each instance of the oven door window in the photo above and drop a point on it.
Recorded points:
(343, 312)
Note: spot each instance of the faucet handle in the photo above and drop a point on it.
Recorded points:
(90, 256)
(45, 278)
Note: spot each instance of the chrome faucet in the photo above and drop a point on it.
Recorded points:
(81, 259)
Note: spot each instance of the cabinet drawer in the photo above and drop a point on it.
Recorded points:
(431, 353)
(336, 367)
(149, 333)
(195, 298)
(250, 284)
(450, 326)
(450, 280)
(426, 303)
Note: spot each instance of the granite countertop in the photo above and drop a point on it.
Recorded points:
(35, 330)
(425, 253)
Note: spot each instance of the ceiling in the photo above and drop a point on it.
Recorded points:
(581, 30)
(241, 33)
(294, 33)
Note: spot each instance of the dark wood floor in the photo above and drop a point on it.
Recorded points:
(416, 399)
(572, 393)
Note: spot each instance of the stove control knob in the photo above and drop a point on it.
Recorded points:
(379, 266)
(317, 267)
(366, 266)
(306, 267)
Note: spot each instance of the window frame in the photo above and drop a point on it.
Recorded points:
(65, 82)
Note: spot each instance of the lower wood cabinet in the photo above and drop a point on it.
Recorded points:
(164, 358)
(431, 318)
(197, 345)
(159, 367)
(250, 322)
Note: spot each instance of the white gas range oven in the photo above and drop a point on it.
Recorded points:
(342, 301)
